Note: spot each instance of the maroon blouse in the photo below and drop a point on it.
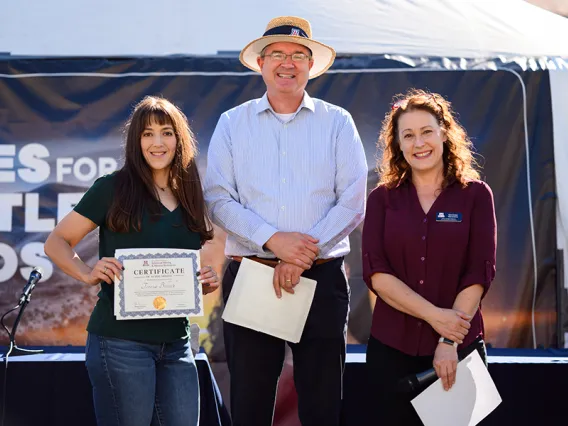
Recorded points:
(436, 254)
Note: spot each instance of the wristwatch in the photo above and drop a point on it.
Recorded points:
(448, 342)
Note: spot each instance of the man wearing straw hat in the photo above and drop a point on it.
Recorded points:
(286, 178)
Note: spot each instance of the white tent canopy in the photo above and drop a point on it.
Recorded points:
(470, 29)
(447, 28)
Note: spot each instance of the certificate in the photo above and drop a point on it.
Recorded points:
(157, 283)
(469, 400)
(253, 303)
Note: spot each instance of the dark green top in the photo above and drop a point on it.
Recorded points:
(167, 232)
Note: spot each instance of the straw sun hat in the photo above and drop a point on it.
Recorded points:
(292, 30)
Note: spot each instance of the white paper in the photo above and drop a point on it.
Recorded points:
(468, 401)
(253, 303)
(157, 295)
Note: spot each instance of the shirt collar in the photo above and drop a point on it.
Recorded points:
(263, 104)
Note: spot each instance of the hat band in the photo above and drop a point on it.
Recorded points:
(286, 30)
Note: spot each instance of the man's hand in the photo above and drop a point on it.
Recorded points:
(294, 248)
(446, 364)
(286, 276)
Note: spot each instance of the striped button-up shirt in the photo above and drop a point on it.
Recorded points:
(265, 175)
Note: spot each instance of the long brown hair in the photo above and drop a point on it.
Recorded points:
(135, 191)
(459, 163)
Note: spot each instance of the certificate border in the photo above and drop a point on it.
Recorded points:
(165, 255)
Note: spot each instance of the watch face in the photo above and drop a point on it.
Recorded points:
(447, 341)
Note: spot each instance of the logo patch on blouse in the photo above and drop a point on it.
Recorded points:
(448, 217)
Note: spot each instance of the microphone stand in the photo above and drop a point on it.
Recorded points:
(14, 350)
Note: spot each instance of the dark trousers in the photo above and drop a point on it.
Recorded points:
(387, 366)
(255, 359)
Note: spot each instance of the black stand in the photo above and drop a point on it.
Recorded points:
(14, 350)
(561, 301)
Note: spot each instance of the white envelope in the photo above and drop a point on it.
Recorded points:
(253, 303)
(468, 401)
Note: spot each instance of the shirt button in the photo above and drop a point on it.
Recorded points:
(422, 258)
(423, 237)
(421, 281)
(282, 208)
(425, 220)
(419, 324)
(283, 152)
(283, 180)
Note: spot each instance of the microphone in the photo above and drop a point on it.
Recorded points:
(35, 276)
(415, 382)
(419, 381)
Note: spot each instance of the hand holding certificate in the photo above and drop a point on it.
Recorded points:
(469, 401)
(253, 304)
(157, 283)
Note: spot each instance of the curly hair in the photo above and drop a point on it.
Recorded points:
(459, 163)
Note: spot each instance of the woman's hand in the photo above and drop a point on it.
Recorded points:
(451, 324)
(446, 364)
(208, 279)
(105, 270)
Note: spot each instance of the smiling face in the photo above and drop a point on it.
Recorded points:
(158, 143)
(285, 76)
(421, 140)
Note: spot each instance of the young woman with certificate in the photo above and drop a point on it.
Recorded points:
(142, 371)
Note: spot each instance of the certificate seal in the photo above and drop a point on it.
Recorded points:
(159, 303)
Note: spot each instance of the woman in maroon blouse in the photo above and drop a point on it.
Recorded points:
(429, 242)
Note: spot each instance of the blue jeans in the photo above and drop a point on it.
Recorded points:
(140, 384)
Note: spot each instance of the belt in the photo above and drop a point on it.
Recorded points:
(274, 262)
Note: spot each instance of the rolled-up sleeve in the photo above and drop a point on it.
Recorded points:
(374, 258)
(481, 253)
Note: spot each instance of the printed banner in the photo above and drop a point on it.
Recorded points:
(61, 124)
